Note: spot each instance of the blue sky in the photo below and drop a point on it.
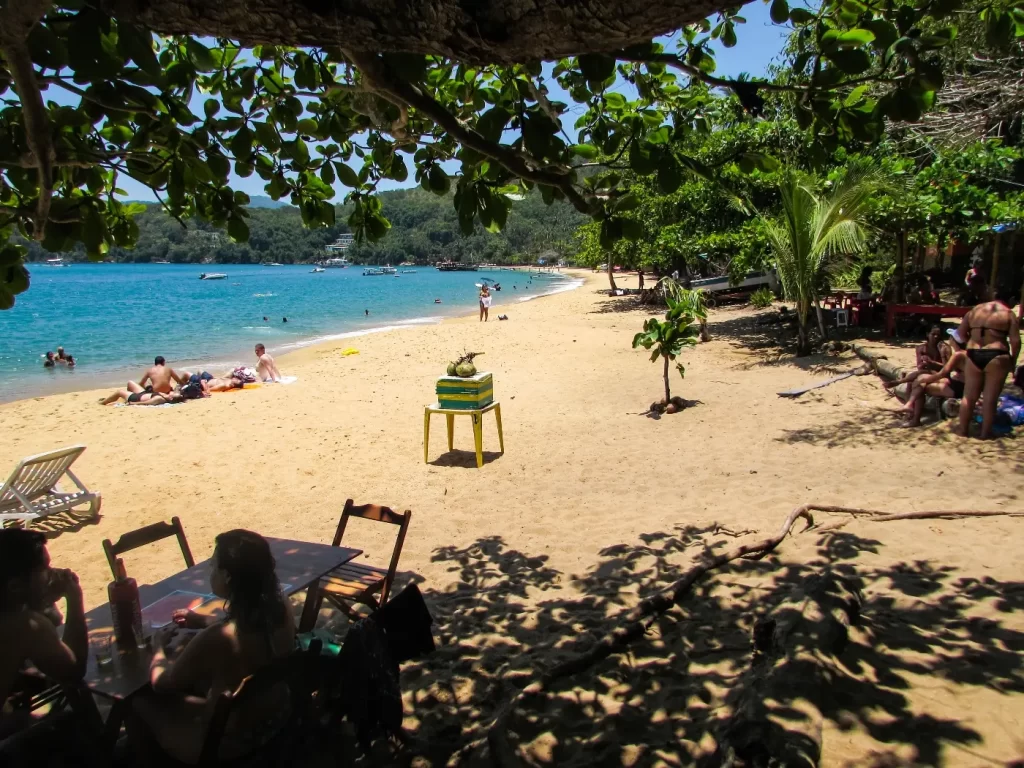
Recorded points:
(759, 44)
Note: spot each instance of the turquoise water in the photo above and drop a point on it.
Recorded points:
(114, 318)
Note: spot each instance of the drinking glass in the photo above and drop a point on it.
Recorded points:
(101, 646)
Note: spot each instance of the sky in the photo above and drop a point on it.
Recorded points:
(759, 44)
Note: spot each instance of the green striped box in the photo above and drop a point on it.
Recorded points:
(465, 394)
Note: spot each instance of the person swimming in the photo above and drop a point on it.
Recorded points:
(49, 362)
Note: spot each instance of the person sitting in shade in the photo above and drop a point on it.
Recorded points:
(259, 630)
(29, 587)
(929, 359)
(949, 381)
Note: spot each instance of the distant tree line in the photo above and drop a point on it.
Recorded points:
(424, 229)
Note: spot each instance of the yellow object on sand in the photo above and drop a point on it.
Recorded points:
(450, 414)
(349, 351)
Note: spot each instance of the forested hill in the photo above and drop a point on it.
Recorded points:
(424, 228)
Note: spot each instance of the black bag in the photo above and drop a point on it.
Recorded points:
(192, 391)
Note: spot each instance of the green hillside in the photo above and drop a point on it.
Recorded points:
(424, 228)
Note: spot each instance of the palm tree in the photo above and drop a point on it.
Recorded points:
(812, 228)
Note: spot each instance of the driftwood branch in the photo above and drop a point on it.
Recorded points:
(633, 625)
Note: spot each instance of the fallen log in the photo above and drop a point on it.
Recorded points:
(774, 719)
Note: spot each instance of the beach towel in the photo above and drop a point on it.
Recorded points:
(1010, 410)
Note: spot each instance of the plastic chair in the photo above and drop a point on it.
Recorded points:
(33, 489)
(842, 318)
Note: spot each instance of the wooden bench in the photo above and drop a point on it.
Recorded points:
(938, 310)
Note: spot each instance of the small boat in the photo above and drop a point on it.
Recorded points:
(317, 269)
(212, 276)
(408, 271)
(58, 262)
(272, 264)
(161, 262)
(370, 271)
(388, 270)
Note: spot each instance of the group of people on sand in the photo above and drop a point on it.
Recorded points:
(971, 364)
(194, 660)
(52, 360)
(162, 385)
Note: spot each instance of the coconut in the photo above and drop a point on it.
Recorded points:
(451, 369)
(465, 370)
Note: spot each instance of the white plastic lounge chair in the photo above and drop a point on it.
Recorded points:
(32, 491)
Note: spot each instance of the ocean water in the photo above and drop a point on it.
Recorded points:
(114, 318)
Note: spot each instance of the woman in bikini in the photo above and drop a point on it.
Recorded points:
(259, 629)
(929, 359)
(993, 344)
(946, 382)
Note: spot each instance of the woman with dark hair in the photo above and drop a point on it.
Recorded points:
(258, 629)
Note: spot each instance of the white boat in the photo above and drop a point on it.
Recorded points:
(212, 276)
(317, 269)
(374, 272)
(408, 271)
(337, 263)
(161, 262)
(388, 270)
(272, 264)
(58, 262)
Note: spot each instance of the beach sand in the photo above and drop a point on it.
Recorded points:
(591, 505)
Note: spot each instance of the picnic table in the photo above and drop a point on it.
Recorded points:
(940, 310)
(300, 566)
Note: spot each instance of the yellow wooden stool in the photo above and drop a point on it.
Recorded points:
(478, 431)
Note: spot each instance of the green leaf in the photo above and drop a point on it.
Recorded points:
(211, 107)
(729, 35)
(852, 38)
(640, 159)
(200, 55)
(238, 230)
(852, 62)
(801, 16)
(586, 151)
(779, 11)
(439, 181)
(632, 229)
(625, 203)
(307, 126)
(346, 175)
(327, 173)
(669, 176)
(596, 67)
(267, 135)
(492, 123)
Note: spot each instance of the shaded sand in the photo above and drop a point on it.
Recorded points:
(591, 505)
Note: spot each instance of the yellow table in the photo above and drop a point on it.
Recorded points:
(478, 436)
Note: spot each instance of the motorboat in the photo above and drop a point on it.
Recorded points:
(337, 263)
(212, 276)
(455, 266)
(317, 269)
(388, 270)
(272, 264)
(371, 271)
(58, 262)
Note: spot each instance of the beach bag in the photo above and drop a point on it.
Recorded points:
(192, 391)
(247, 375)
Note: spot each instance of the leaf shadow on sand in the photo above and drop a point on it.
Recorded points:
(507, 618)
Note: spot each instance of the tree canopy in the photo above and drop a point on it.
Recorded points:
(179, 95)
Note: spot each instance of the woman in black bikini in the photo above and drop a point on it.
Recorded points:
(993, 343)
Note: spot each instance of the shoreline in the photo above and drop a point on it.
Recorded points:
(101, 381)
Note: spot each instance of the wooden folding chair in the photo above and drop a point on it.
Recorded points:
(147, 535)
(357, 583)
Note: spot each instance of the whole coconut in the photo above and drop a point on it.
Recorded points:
(451, 369)
(465, 370)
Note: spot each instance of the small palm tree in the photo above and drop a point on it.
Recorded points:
(811, 229)
(670, 336)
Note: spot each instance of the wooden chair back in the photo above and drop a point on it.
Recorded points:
(149, 534)
(294, 671)
(379, 514)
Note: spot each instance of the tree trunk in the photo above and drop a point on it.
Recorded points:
(821, 320)
(509, 31)
(803, 343)
(611, 273)
(668, 395)
(901, 258)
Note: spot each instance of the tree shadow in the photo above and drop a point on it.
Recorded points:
(59, 523)
(510, 616)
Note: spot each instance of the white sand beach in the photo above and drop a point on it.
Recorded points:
(591, 505)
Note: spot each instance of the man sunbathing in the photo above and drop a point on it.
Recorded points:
(224, 384)
(265, 365)
(28, 585)
(136, 395)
